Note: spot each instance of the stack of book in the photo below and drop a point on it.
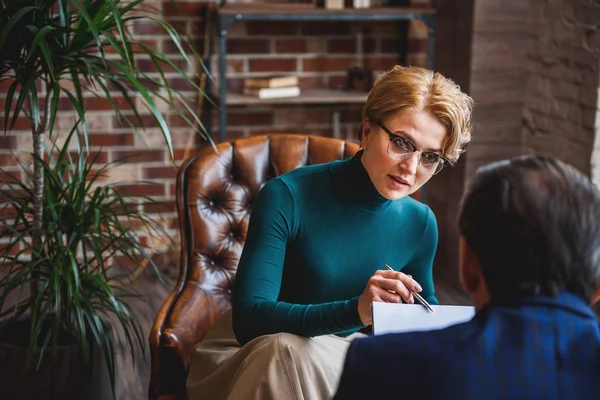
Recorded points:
(272, 87)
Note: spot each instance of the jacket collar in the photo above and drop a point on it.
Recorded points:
(566, 301)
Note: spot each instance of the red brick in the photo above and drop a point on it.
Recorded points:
(7, 212)
(326, 64)
(102, 104)
(248, 46)
(159, 172)
(22, 124)
(147, 65)
(147, 121)
(65, 104)
(139, 156)
(381, 63)
(294, 45)
(102, 174)
(303, 116)
(276, 28)
(137, 49)
(5, 85)
(179, 154)
(235, 85)
(152, 43)
(176, 121)
(341, 46)
(9, 142)
(246, 118)
(7, 159)
(169, 47)
(177, 24)
(188, 9)
(141, 189)
(197, 27)
(351, 114)
(100, 157)
(14, 249)
(111, 139)
(330, 28)
(126, 263)
(147, 28)
(369, 46)
(160, 207)
(10, 176)
(181, 84)
(235, 65)
(390, 45)
(272, 65)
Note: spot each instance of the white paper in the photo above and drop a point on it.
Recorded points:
(396, 317)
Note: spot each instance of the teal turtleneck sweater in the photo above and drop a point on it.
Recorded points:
(316, 236)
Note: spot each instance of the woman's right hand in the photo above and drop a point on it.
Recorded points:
(387, 286)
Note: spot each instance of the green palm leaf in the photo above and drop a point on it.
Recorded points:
(69, 232)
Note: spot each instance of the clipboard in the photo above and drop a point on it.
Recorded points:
(400, 317)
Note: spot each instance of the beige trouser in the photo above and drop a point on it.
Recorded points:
(278, 366)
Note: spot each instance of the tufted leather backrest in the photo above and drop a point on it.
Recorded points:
(215, 192)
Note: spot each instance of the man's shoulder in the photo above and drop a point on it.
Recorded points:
(383, 363)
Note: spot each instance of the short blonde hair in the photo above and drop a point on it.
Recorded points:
(419, 88)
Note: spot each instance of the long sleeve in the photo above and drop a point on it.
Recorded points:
(421, 264)
(256, 309)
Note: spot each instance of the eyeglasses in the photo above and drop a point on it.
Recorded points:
(401, 148)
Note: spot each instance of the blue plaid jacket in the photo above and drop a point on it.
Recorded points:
(540, 348)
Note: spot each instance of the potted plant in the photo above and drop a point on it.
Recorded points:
(63, 49)
(91, 237)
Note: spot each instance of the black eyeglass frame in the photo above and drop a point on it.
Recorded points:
(444, 161)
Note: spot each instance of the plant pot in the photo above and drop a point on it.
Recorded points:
(63, 378)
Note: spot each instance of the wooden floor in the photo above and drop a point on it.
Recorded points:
(132, 379)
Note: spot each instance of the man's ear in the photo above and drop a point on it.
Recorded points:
(366, 133)
(469, 269)
(596, 295)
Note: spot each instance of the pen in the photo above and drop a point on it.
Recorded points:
(419, 298)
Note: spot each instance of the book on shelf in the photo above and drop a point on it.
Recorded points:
(272, 93)
(271, 81)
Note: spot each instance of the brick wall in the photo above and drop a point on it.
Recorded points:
(453, 43)
(318, 53)
(535, 78)
(498, 79)
(561, 116)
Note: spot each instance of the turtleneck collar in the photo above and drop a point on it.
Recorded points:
(353, 185)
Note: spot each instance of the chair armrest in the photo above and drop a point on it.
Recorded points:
(182, 322)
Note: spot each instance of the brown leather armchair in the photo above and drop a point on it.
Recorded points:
(214, 198)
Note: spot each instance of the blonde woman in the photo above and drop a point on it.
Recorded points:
(317, 242)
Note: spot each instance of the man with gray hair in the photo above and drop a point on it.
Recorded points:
(530, 259)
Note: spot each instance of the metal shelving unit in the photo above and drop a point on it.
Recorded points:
(229, 14)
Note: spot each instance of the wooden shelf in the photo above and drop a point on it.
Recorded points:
(304, 12)
(234, 9)
(307, 96)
